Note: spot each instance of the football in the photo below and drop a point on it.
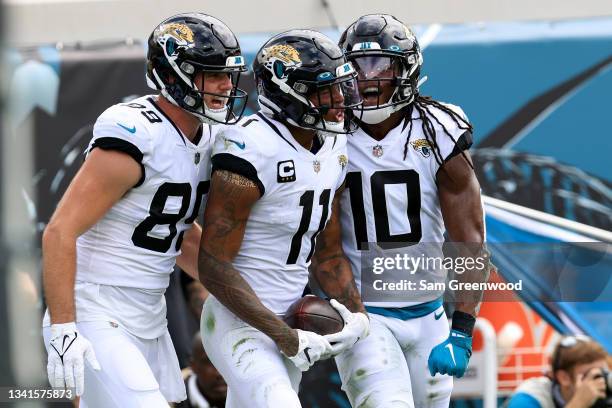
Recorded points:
(314, 314)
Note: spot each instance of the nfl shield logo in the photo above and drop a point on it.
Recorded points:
(316, 165)
(377, 151)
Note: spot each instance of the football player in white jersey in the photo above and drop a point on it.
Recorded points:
(409, 180)
(128, 216)
(276, 177)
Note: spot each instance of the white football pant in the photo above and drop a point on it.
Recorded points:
(256, 373)
(389, 367)
(132, 368)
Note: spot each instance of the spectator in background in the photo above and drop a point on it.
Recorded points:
(205, 386)
(577, 378)
(195, 294)
(181, 322)
(185, 297)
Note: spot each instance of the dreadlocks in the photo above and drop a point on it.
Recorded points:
(423, 105)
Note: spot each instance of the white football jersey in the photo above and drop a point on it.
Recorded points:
(297, 188)
(393, 201)
(137, 241)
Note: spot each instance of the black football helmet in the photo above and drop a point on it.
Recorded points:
(382, 48)
(301, 76)
(184, 45)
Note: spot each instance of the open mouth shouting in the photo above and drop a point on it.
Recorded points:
(371, 95)
(216, 102)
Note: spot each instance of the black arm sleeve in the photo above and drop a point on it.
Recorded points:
(234, 164)
(114, 143)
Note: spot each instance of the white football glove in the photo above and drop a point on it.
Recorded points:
(356, 326)
(312, 347)
(67, 351)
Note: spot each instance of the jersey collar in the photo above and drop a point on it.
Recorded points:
(389, 138)
(283, 132)
(186, 142)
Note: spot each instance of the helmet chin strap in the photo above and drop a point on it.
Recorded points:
(206, 114)
(335, 127)
(376, 116)
(150, 81)
(212, 116)
(270, 109)
(267, 106)
(209, 117)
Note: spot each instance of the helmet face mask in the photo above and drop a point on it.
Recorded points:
(224, 104)
(304, 80)
(380, 80)
(330, 104)
(184, 51)
(388, 59)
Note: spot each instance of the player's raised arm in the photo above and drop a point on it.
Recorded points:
(332, 270)
(229, 204)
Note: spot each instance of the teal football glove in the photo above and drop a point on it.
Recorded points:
(452, 356)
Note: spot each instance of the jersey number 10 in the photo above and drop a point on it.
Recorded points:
(378, 181)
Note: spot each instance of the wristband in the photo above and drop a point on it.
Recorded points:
(463, 322)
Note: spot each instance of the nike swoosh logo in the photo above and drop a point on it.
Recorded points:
(307, 355)
(452, 353)
(241, 146)
(64, 341)
(438, 316)
(131, 130)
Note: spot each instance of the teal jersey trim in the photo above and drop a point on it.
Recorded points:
(408, 312)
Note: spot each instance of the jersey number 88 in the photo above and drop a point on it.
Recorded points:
(141, 237)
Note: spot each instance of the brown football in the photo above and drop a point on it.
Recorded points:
(314, 314)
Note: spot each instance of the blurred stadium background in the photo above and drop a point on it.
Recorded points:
(534, 77)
